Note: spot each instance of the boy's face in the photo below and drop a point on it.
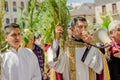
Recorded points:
(116, 33)
(14, 38)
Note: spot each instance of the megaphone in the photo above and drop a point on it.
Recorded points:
(102, 35)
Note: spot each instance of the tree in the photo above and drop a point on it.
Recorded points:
(2, 3)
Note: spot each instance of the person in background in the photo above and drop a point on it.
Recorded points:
(51, 73)
(38, 39)
(78, 60)
(113, 53)
(18, 63)
(38, 51)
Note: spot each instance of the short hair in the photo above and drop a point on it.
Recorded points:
(37, 35)
(8, 27)
(75, 20)
(113, 24)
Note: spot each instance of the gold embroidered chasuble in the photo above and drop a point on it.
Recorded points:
(72, 56)
(72, 61)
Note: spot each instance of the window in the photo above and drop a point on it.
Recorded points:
(15, 20)
(22, 5)
(114, 8)
(6, 6)
(14, 7)
(103, 9)
(7, 20)
(90, 7)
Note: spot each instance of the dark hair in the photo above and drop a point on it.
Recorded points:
(75, 20)
(8, 27)
(37, 35)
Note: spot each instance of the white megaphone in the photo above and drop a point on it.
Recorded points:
(102, 35)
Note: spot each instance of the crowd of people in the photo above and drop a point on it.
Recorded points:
(76, 59)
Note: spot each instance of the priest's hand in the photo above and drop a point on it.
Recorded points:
(86, 37)
(107, 49)
(58, 31)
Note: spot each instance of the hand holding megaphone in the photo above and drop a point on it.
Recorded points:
(104, 38)
(114, 47)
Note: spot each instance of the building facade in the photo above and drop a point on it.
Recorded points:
(13, 10)
(109, 7)
(86, 10)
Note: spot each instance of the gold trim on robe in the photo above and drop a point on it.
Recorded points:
(92, 74)
(72, 63)
(106, 69)
(72, 57)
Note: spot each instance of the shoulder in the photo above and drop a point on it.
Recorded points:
(25, 51)
(38, 47)
(6, 53)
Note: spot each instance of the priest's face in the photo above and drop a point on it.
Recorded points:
(80, 29)
(14, 37)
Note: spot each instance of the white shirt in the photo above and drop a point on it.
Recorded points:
(20, 65)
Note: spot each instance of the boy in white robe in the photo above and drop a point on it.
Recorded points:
(18, 63)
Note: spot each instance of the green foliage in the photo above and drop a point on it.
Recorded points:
(56, 13)
(48, 14)
(106, 20)
(27, 15)
(25, 38)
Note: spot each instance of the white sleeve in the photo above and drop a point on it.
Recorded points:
(59, 64)
(94, 60)
(51, 54)
(52, 50)
(55, 45)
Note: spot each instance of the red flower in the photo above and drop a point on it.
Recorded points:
(46, 46)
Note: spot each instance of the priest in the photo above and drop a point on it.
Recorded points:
(76, 60)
